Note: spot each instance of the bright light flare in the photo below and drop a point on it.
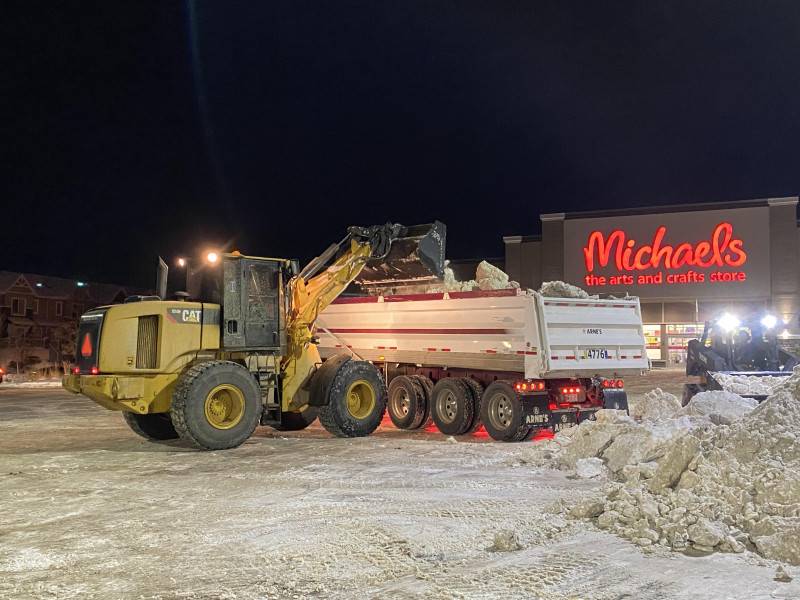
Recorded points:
(769, 321)
(181, 262)
(728, 322)
(212, 258)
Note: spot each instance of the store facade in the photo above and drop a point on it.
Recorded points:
(687, 263)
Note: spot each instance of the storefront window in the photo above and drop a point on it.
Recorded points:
(652, 335)
(678, 335)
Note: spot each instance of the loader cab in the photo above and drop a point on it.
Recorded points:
(251, 293)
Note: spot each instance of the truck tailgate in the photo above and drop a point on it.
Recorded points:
(585, 336)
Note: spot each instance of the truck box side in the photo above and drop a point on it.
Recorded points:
(492, 330)
(502, 330)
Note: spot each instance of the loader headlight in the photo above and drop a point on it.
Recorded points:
(769, 321)
(728, 322)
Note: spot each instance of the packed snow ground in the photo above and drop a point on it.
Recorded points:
(92, 511)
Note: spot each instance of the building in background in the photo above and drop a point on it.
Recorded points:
(687, 263)
(39, 316)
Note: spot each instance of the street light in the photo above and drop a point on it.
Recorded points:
(212, 257)
(181, 262)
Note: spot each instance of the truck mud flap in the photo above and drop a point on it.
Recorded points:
(615, 399)
(535, 410)
(563, 419)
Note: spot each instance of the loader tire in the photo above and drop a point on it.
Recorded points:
(502, 414)
(452, 407)
(427, 387)
(297, 421)
(157, 426)
(406, 403)
(216, 405)
(356, 400)
(477, 393)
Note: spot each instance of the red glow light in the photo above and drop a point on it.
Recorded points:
(86, 346)
(94, 370)
(76, 370)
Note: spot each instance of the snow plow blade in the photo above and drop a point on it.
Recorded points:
(416, 256)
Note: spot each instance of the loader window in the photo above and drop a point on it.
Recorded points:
(252, 304)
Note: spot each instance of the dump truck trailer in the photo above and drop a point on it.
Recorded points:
(514, 361)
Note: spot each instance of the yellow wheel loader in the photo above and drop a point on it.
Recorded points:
(243, 353)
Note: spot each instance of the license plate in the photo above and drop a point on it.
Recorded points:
(596, 353)
(570, 397)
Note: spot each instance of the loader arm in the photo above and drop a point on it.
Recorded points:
(323, 280)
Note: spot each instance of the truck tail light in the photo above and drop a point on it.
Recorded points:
(529, 386)
(76, 370)
(94, 370)
(613, 383)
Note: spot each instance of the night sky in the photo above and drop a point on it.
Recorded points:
(133, 129)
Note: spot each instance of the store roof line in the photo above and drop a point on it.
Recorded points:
(670, 208)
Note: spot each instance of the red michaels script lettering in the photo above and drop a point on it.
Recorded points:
(721, 250)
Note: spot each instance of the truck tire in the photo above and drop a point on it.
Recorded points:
(452, 407)
(297, 420)
(502, 414)
(406, 404)
(157, 426)
(477, 392)
(427, 386)
(356, 400)
(216, 405)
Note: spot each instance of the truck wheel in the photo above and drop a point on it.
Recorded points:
(501, 413)
(216, 405)
(296, 421)
(356, 401)
(476, 389)
(427, 387)
(452, 406)
(157, 426)
(407, 403)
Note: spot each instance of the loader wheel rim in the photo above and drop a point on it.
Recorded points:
(224, 406)
(360, 399)
(500, 411)
(447, 406)
(400, 402)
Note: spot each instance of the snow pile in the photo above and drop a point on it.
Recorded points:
(726, 488)
(749, 385)
(720, 475)
(451, 284)
(490, 277)
(560, 289)
(590, 468)
(655, 406)
(721, 407)
(487, 277)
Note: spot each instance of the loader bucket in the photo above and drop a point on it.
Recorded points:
(416, 256)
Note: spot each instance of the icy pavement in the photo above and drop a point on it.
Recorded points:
(90, 511)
